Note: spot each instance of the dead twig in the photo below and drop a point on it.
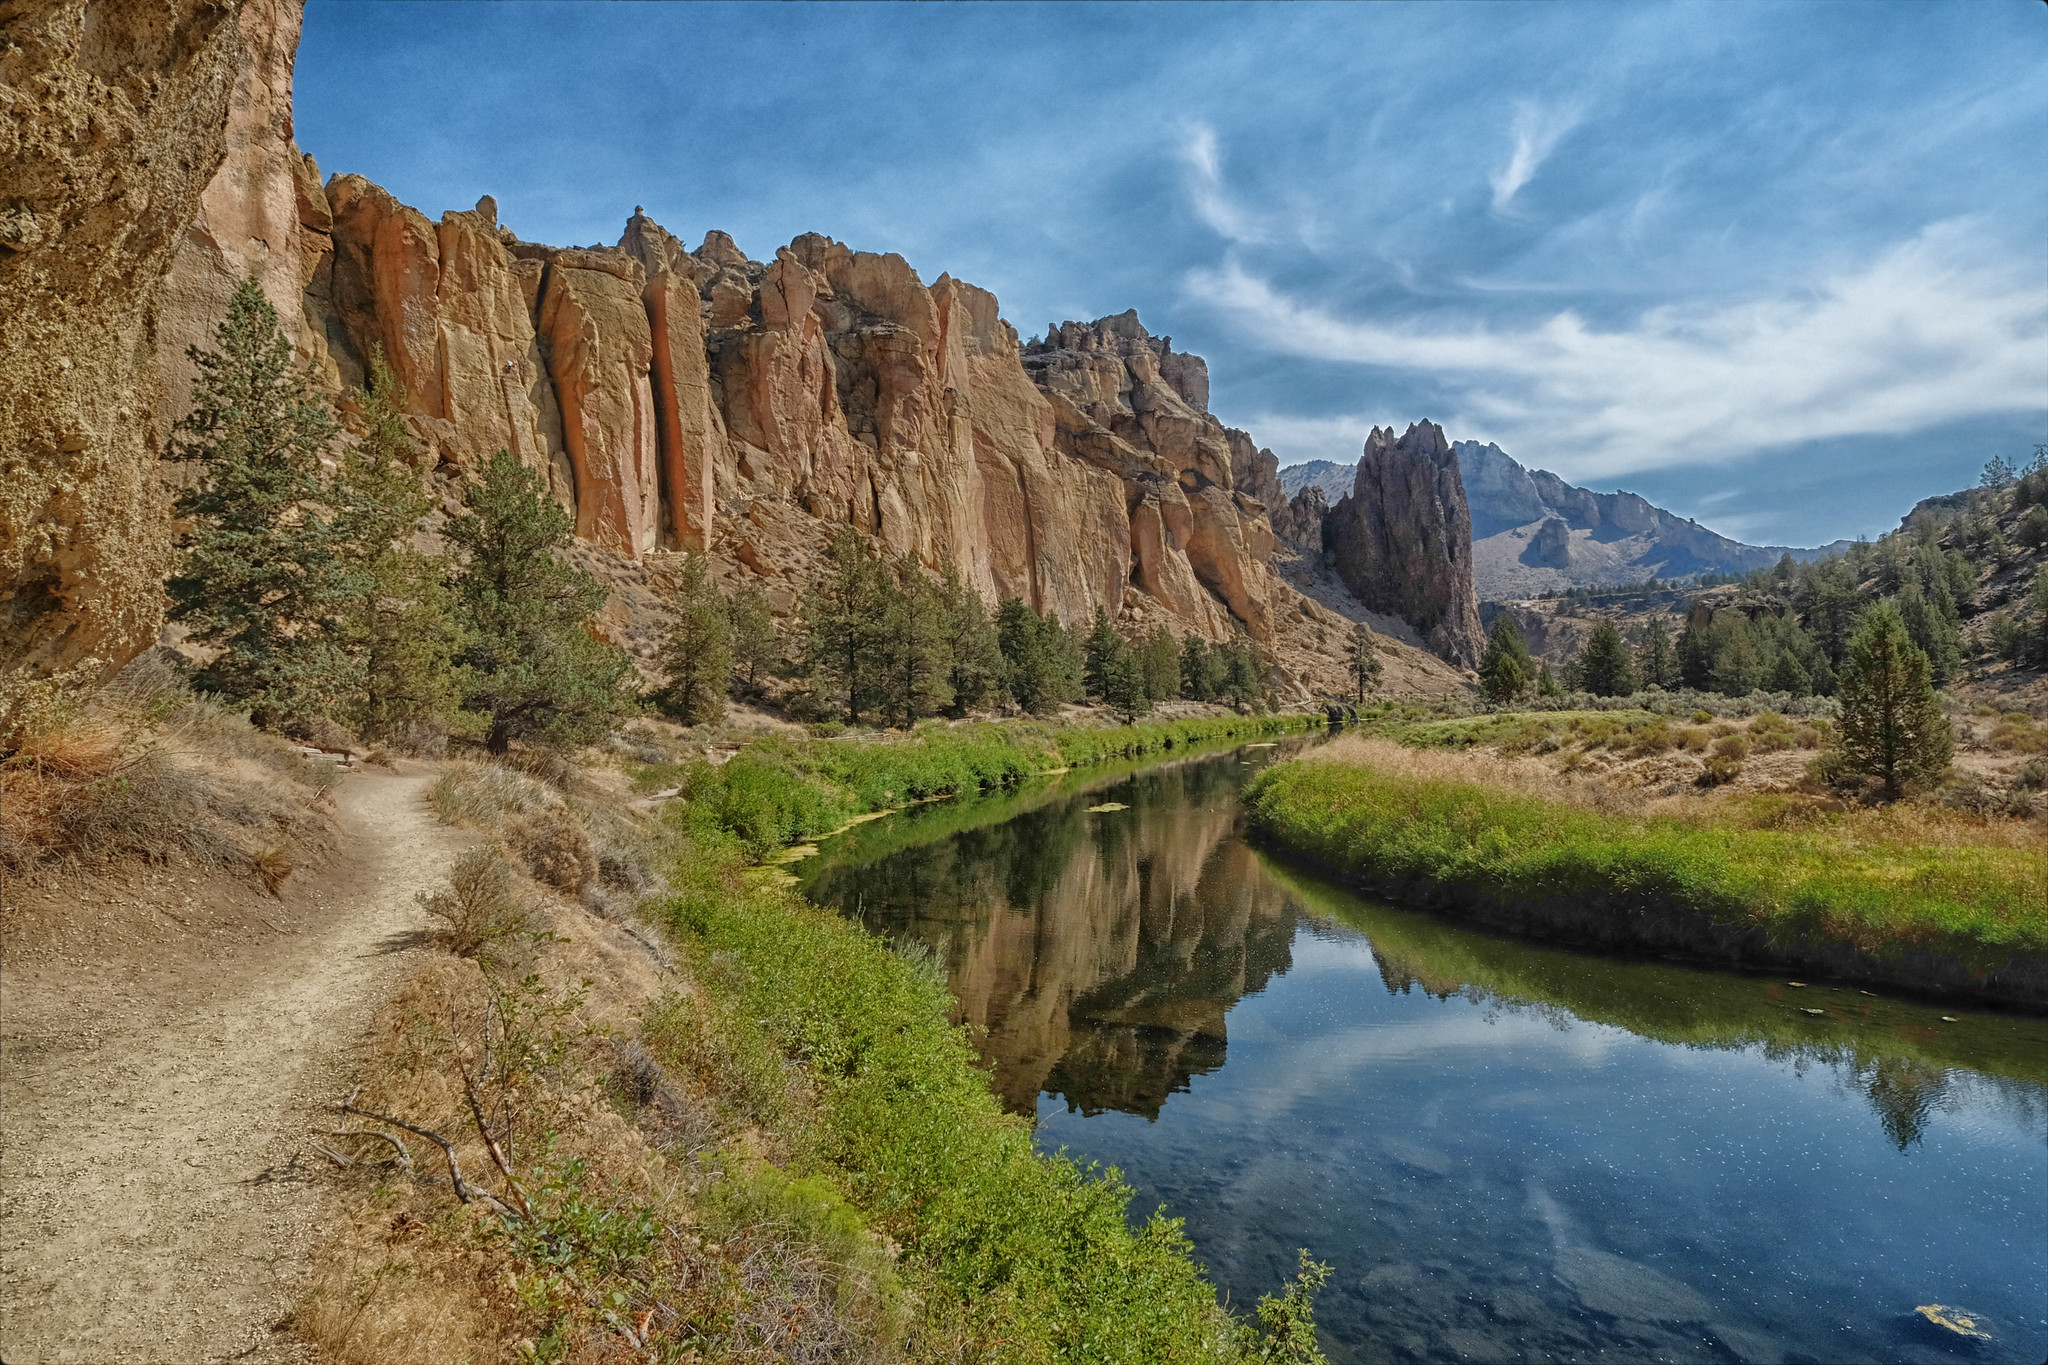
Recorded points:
(464, 1191)
(404, 1155)
(476, 1109)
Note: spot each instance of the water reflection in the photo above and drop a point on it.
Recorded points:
(1508, 1151)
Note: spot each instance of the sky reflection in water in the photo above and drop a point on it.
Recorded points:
(1507, 1152)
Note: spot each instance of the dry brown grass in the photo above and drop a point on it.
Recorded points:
(556, 851)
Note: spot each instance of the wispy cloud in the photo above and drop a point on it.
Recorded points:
(1537, 131)
(1937, 328)
(1211, 197)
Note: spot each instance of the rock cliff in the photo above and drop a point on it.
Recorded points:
(114, 123)
(1401, 539)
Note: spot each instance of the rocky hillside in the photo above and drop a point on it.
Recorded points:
(1532, 532)
(676, 398)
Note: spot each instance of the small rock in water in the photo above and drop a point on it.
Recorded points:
(1800, 984)
(1950, 1019)
(1804, 1010)
(1108, 805)
(1958, 1320)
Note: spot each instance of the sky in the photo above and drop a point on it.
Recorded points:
(1779, 267)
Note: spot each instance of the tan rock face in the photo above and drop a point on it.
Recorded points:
(117, 126)
(1401, 540)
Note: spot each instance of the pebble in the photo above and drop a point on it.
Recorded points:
(1808, 1011)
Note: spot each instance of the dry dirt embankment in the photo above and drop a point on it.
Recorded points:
(166, 1043)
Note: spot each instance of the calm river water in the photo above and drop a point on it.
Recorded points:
(1507, 1152)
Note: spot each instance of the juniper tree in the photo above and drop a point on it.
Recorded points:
(1892, 726)
(756, 640)
(1123, 683)
(1039, 656)
(1362, 661)
(264, 577)
(402, 624)
(1159, 663)
(1098, 649)
(1244, 677)
(1656, 664)
(696, 651)
(1200, 673)
(1932, 629)
(915, 660)
(532, 667)
(1603, 666)
(1506, 669)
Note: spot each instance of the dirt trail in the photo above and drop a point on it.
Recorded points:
(160, 1070)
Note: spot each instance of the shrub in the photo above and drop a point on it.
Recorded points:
(2033, 528)
(1692, 739)
(556, 851)
(1720, 770)
(478, 906)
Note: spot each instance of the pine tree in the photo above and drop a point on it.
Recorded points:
(976, 654)
(1656, 663)
(532, 666)
(402, 624)
(1546, 684)
(1739, 667)
(1159, 662)
(842, 622)
(1043, 659)
(1199, 675)
(916, 663)
(1892, 727)
(1932, 630)
(696, 651)
(1100, 647)
(264, 577)
(1506, 669)
(1362, 661)
(1244, 678)
(1603, 666)
(1123, 679)
(1829, 605)
(756, 639)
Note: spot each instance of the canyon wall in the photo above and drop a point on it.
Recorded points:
(1401, 540)
(115, 123)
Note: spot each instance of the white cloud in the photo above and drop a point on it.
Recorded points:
(1537, 131)
(1937, 328)
(1205, 186)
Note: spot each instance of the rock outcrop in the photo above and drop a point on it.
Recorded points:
(1401, 540)
(116, 123)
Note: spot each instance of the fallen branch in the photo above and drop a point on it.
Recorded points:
(464, 1191)
(404, 1156)
(476, 1110)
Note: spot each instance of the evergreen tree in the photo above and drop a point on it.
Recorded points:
(1603, 666)
(842, 622)
(1547, 685)
(696, 652)
(756, 639)
(401, 625)
(1042, 657)
(264, 577)
(532, 666)
(1244, 677)
(1829, 605)
(1201, 677)
(1159, 661)
(1739, 667)
(917, 664)
(1506, 669)
(1123, 681)
(1656, 662)
(1362, 661)
(1789, 675)
(971, 644)
(1931, 630)
(1100, 647)
(1892, 727)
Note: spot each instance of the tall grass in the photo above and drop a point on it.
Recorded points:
(1508, 848)
(841, 1048)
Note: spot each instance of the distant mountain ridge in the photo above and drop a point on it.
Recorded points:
(1532, 532)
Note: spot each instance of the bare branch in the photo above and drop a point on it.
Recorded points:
(483, 1128)
(404, 1156)
(464, 1191)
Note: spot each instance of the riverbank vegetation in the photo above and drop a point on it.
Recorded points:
(729, 1125)
(1512, 842)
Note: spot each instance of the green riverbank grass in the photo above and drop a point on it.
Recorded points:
(841, 1050)
(778, 791)
(1507, 849)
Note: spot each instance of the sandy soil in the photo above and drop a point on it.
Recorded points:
(168, 1041)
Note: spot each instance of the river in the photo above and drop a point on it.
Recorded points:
(1506, 1151)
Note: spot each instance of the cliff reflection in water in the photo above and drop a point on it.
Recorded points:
(1098, 953)
(1095, 953)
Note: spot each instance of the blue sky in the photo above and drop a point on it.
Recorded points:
(1780, 267)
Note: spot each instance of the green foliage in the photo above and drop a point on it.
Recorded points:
(1043, 660)
(1501, 849)
(1932, 630)
(756, 640)
(1362, 662)
(916, 663)
(2025, 640)
(2033, 527)
(402, 623)
(842, 623)
(1506, 669)
(1202, 669)
(1097, 650)
(977, 666)
(1656, 661)
(264, 577)
(1603, 666)
(1027, 1253)
(1244, 674)
(1892, 725)
(697, 649)
(1123, 683)
(1159, 662)
(531, 666)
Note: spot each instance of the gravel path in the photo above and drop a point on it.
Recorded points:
(165, 1043)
